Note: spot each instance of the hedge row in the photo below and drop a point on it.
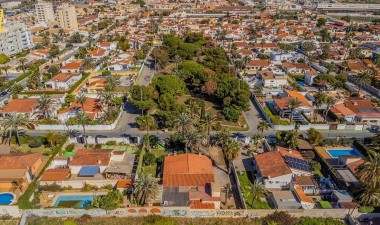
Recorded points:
(76, 85)
(23, 201)
(273, 118)
(17, 79)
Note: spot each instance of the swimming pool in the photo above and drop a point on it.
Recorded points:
(6, 198)
(301, 83)
(74, 201)
(335, 153)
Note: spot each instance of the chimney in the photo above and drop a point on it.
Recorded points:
(175, 153)
(289, 150)
(99, 161)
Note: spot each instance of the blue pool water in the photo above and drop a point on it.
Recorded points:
(270, 102)
(301, 83)
(6, 198)
(335, 153)
(80, 201)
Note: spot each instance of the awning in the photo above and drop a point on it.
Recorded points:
(88, 171)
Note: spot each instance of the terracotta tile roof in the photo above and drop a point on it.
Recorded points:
(91, 107)
(291, 153)
(63, 77)
(55, 174)
(91, 157)
(255, 63)
(356, 65)
(72, 66)
(187, 170)
(19, 161)
(341, 110)
(354, 166)
(266, 45)
(288, 65)
(363, 108)
(305, 181)
(301, 195)
(299, 96)
(124, 183)
(197, 204)
(272, 164)
(22, 105)
(97, 52)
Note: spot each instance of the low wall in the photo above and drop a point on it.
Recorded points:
(77, 184)
(11, 210)
(257, 103)
(238, 186)
(60, 127)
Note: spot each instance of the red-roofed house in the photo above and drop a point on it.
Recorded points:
(188, 180)
(71, 67)
(98, 53)
(90, 157)
(62, 81)
(91, 107)
(282, 107)
(25, 106)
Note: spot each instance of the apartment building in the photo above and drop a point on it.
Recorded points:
(15, 38)
(45, 12)
(67, 17)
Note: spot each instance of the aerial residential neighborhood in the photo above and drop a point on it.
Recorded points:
(190, 112)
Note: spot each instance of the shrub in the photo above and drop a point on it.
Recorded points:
(89, 187)
(34, 143)
(107, 187)
(70, 222)
(231, 114)
(366, 209)
(70, 147)
(149, 159)
(51, 187)
(111, 143)
(280, 218)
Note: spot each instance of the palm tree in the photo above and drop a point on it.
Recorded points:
(72, 133)
(193, 108)
(19, 184)
(113, 81)
(257, 139)
(23, 61)
(87, 63)
(319, 100)
(81, 99)
(43, 105)
(183, 121)
(231, 152)
(145, 188)
(16, 88)
(370, 196)
(191, 139)
(291, 138)
(89, 40)
(147, 122)
(263, 125)
(362, 79)
(330, 102)
(52, 138)
(208, 120)
(12, 124)
(83, 120)
(293, 103)
(223, 137)
(369, 171)
(258, 191)
(5, 68)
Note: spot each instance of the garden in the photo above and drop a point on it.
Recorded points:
(247, 189)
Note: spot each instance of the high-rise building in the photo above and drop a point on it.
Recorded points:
(67, 17)
(15, 38)
(45, 12)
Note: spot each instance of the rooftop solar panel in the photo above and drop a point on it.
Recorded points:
(88, 171)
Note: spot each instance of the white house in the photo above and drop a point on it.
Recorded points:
(90, 159)
(272, 170)
(278, 57)
(91, 107)
(273, 79)
(63, 81)
(124, 64)
(309, 77)
(108, 45)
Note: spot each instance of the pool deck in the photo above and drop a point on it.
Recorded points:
(322, 151)
(49, 198)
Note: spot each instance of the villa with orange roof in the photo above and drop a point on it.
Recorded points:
(63, 81)
(71, 67)
(188, 181)
(91, 107)
(282, 107)
(24, 106)
(123, 64)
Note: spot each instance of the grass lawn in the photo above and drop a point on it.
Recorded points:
(153, 168)
(216, 110)
(9, 222)
(26, 148)
(245, 185)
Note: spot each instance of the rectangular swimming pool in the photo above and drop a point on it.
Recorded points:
(74, 201)
(335, 153)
